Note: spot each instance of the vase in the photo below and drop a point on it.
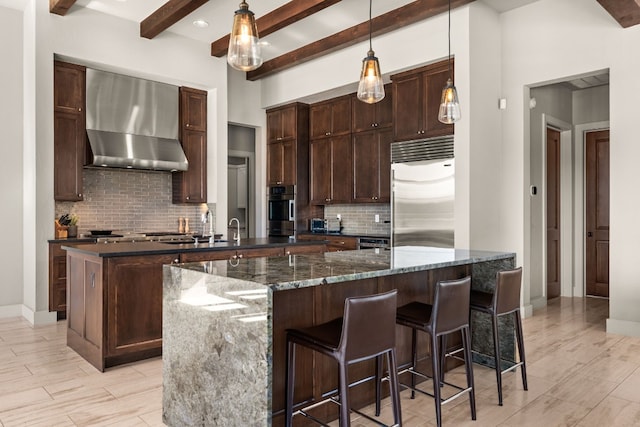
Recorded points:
(72, 231)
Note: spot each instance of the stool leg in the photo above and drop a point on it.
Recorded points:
(393, 386)
(414, 361)
(520, 338)
(468, 365)
(496, 352)
(289, 383)
(378, 383)
(344, 396)
(443, 353)
(435, 366)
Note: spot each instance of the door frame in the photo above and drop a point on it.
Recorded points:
(251, 189)
(566, 204)
(580, 200)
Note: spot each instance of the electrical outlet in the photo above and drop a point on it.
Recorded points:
(376, 218)
(339, 217)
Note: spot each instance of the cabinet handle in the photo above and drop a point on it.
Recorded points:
(79, 194)
(288, 252)
(279, 182)
(239, 255)
(234, 256)
(80, 109)
(187, 197)
(373, 125)
(187, 125)
(279, 138)
(93, 280)
(327, 200)
(327, 133)
(175, 261)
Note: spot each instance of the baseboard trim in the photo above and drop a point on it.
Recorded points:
(539, 302)
(623, 327)
(527, 310)
(10, 311)
(39, 317)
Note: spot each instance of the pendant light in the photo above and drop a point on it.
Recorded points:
(371, 86)
(244, 48)
(449, 106)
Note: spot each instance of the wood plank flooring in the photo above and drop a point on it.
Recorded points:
(578, 376)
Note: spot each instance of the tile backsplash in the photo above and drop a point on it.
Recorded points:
(360, 219)
(130, 200)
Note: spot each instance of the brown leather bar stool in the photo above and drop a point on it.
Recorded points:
(449, 313)
(503, 301)
(366, 330)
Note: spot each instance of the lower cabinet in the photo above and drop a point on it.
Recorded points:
(114, 307)
(334, 243)
(230, 254)
(58, 280)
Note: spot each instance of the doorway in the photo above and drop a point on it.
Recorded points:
(553, 200)
(241, 203)
(597, 213)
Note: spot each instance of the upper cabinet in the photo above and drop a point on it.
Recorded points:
(287, 144)
(366, 117)
(190, 186)
(330, 118)
(372, 166)
(69, 134)
(416, 101)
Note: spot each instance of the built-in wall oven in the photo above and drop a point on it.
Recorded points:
(282, 210)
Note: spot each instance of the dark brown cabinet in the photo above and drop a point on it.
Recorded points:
(58, 280)
(191, 186)
(331, 170)
(288, 145)
(330, 118)
(333, 243)
(371, 166)
(416, 101)
(366, 117)
(69, 134)
(230, 254)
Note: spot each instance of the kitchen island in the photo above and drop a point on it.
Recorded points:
(224, 326)
(114, 291)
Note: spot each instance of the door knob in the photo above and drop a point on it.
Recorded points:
(589, 234)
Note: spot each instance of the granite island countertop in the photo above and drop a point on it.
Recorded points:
(297, 271)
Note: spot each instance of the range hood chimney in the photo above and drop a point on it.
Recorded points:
(133, 123)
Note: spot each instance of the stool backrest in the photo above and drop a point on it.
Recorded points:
(369, 326)
(506, 297)
(450, 310)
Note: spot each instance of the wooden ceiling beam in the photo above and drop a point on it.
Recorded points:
(60, 7)
(390, 21)
(626, 12)
(167, 15)
(277, 19)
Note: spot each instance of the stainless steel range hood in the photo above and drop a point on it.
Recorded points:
(133, 123)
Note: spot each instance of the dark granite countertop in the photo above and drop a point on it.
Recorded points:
(107, 250)
(370, 235)
(73, 240)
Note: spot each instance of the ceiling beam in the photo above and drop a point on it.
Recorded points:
(167, 15)
(60, 7)
(626, 12)
(390, 21)
(277, 19)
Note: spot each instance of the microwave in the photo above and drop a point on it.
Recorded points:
(318, 225)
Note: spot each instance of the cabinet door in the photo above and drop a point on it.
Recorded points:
(69, 150)
(274, 125)
(366, 169)
(320, 161)
(259, 252)
(363, 115)
(206, 256)
(341, 116)
(191, 186)
(275, 163)
(407, 108)
(385, 138)
(341, 169)
(289, 172)
(433, 82)
(69, 87)
(320, 120)
(193, 109)
(288, 123)
(304, 249)
(134, 303)
(384, 108)
(93, 303)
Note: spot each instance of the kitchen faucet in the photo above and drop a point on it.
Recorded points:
(236, 236)
(208, 217)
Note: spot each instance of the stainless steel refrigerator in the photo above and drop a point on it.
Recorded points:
(423, 193)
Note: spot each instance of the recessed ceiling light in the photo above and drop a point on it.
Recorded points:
(200, 23)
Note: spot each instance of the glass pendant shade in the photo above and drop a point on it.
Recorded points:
(449, 106)
(244, 52)
(371, 86)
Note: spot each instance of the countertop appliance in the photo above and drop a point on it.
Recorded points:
(423, 193)
(318, 225)
(281, 210)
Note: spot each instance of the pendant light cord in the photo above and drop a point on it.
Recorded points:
(449, 37)
(370, 24)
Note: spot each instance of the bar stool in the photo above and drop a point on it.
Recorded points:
(366, 330)
(449, 313)
(503, 301)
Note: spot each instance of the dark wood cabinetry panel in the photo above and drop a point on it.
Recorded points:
(230, 254)
(281, 162)
(371, 166)
(366, 117)
(193, 109)
(69, 134)
(282, 123)
(190, 186)
(416, 101)
(304, 249)
(331, 170)
(57, 280)
(330, 118)
(334, 243)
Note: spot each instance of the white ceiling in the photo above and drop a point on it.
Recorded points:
(218, 14)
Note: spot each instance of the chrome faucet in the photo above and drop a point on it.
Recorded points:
(236, 236)
(209, 215)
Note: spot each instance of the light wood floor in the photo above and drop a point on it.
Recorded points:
(578, 375)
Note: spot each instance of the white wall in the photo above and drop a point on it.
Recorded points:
(552, 39)
(11, 114)
(108, 43)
